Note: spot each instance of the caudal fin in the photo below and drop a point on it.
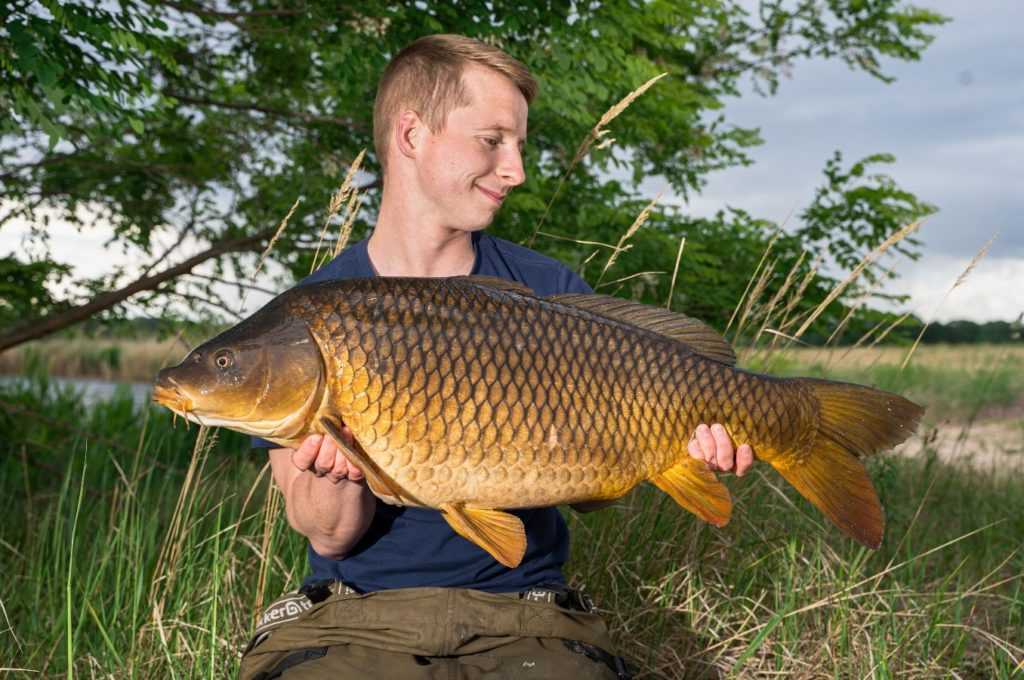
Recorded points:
(853, 421)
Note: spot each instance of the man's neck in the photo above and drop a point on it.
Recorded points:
(404, 245)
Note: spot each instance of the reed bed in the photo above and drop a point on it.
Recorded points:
(101, 358)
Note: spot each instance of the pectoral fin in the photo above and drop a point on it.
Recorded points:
(692, 484)
(379, 481)
(499, 533)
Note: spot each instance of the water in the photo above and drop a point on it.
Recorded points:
(93, 391)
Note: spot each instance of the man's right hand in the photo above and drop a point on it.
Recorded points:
(320, 454)
(326, 498)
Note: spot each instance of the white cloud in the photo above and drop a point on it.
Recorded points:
(84, 250)
(994, 290)
(88, 253)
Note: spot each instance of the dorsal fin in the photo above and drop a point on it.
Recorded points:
(498, 283)
(695, 334)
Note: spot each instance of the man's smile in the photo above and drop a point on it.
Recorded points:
(497, 197)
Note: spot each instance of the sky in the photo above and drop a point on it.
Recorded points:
(954, 121)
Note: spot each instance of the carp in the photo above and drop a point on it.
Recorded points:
(473, 395)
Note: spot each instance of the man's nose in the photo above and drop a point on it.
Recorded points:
(510, 168)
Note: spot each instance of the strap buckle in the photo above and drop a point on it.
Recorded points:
(563, 596)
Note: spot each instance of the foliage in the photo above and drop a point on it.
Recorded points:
(24, 286)
(856, 211)
(186, 127)
(62, 64)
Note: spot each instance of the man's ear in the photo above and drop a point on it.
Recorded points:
(409, 129)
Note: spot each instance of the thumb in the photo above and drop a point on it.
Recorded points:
(304, 456)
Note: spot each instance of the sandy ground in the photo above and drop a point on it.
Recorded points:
(995, 441)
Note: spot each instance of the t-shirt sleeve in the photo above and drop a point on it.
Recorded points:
(258, 443)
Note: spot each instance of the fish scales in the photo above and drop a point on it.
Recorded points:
(472, 395)
(573, 419)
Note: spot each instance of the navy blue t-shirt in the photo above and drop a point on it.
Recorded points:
(413, 547)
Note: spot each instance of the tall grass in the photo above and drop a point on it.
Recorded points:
(137, 549)
(778, 593)
(125, 556)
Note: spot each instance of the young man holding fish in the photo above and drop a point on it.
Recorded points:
(395, 592)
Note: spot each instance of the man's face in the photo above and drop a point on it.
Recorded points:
(468, 168)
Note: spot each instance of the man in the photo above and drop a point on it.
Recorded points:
(394, 592)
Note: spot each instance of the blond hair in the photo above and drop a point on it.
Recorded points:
(426, 76)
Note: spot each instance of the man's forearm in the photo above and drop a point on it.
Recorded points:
(332, 515)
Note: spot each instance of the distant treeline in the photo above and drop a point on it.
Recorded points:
(964, 332)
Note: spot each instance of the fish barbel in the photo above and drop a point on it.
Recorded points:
(472, 395)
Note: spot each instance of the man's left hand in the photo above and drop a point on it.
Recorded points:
(714, 446)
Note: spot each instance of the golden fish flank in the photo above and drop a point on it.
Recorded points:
(472, 395)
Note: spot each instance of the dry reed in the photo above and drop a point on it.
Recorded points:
(959, 280)
(587, 145)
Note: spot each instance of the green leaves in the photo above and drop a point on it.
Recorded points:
(63, 62)
(24, 290)
(856, 211)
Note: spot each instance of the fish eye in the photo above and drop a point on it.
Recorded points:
(225, 358)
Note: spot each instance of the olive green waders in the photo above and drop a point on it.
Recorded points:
(331, 631)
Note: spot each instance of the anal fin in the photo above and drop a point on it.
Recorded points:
(499, 533)
(692, 484)
(379, 481)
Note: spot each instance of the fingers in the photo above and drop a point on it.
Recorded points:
(354, 473)
(327, 460)
(724, 453)
(714, 446)
(343, 469)
(704, 445)
(320, 455)
(744, 459)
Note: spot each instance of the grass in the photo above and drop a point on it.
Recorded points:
(127, 556)
(136, 549)
(778, 593)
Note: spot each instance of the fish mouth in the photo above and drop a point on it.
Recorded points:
(168, 393)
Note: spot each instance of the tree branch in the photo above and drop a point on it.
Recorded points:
(237, 284)
(280, 113)
(201, 11)
(195, 297)
(55, 322)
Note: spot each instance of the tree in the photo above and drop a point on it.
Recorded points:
(201, 124)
